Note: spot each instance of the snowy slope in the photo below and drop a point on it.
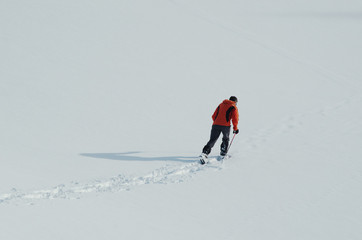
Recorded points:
(106, 105)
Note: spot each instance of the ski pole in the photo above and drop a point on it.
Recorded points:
(231, 142)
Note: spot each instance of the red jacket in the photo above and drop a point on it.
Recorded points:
(225, 112)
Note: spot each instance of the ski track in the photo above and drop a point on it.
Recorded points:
(294, 122)
(164, 175)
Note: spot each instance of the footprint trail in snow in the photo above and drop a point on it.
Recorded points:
(75, 190)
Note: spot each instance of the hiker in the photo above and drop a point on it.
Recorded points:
(224, 114)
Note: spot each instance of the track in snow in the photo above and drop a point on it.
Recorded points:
(164, 175)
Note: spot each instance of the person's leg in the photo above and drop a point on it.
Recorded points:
(215, 133)
(225, 140)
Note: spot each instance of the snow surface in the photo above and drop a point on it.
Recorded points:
(105, 106)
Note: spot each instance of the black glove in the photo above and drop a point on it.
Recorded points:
(236, 131)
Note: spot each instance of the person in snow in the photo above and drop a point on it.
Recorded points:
(224, 114)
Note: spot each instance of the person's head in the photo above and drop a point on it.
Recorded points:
(234, 99)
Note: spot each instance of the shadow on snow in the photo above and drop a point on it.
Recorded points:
(126, 156)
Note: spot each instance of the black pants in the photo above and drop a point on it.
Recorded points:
(216, 130)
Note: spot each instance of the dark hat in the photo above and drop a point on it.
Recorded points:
(233, 98)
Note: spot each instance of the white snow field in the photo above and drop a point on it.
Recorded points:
(105, 106)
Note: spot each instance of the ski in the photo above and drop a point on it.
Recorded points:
(222, 158)
(203, 158)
